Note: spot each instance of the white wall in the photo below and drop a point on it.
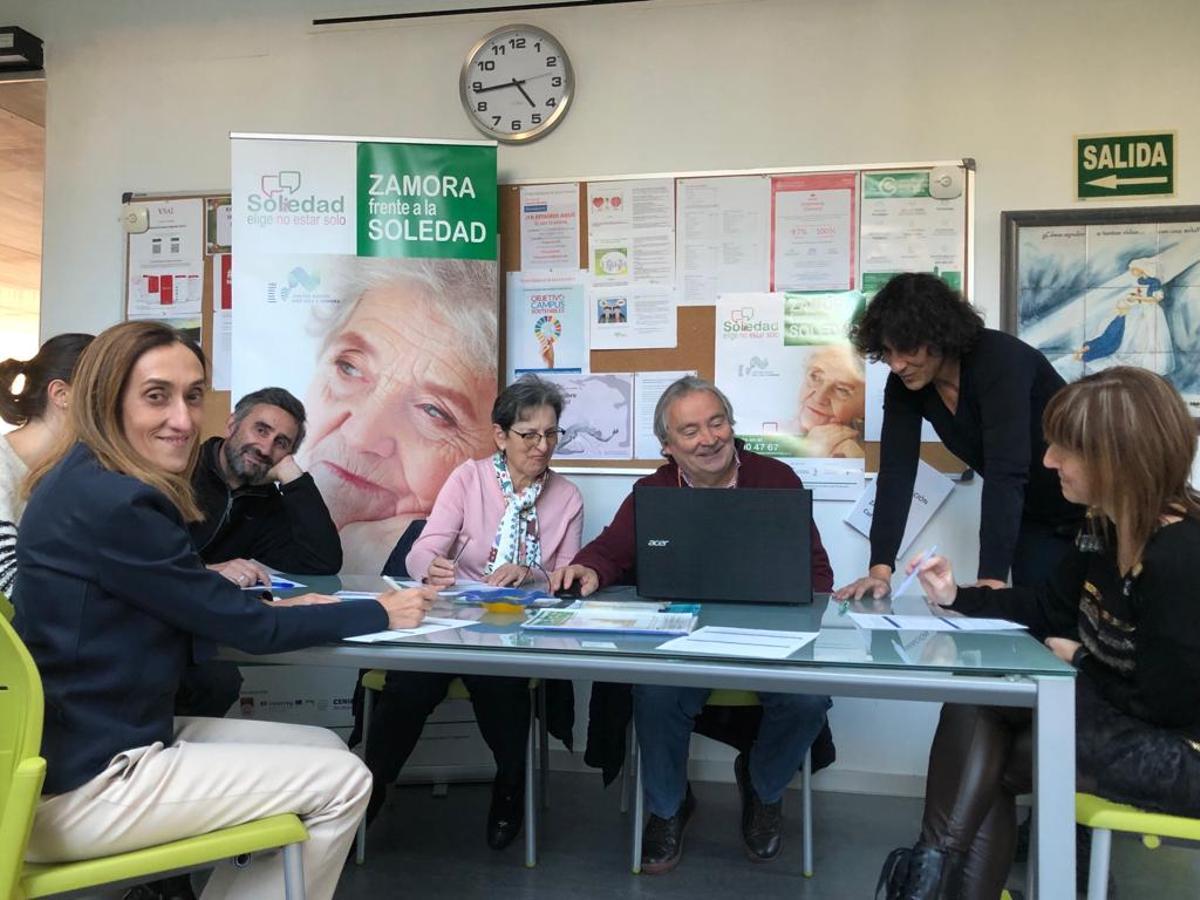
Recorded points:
(141, 97)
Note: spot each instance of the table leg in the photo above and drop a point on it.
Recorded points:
(1054, 786)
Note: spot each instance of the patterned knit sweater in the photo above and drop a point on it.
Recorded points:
(1140, 632)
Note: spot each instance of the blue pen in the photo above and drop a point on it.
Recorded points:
(916, 568)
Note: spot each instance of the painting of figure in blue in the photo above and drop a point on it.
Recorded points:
(1095, 296)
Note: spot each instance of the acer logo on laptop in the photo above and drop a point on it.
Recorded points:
(654, 543)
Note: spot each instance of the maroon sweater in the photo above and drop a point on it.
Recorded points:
(613, 555)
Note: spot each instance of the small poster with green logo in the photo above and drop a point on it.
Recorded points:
(796, 385)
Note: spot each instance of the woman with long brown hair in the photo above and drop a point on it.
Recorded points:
(1123, 610)
(110, 599)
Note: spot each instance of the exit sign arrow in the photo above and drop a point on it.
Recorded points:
(1112, 182)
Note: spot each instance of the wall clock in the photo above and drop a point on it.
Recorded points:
(516, 83)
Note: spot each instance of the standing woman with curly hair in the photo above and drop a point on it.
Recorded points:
(984, 392)
(39, 410)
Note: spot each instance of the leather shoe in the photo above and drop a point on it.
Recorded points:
(762, 823)
(662, 841)
(505, 815)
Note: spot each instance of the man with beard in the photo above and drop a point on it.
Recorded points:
(260, 509)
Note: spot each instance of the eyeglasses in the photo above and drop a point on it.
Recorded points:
(533, 438)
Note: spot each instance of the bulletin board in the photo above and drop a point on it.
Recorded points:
(217, 404)
(696, 325)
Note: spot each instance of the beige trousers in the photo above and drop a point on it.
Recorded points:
(217, 773)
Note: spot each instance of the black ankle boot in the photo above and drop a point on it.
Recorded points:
(506, 814)
(922, 873)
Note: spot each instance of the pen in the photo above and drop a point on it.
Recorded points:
(392, 583)
(916, 568)
(461, 550)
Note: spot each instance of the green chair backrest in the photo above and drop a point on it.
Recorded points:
(6, 608)
(21, 768)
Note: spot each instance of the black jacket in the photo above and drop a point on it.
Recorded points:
(284, 526)
(110, 594)
(1003, 389)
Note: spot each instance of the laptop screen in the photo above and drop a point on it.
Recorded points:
(745, 545)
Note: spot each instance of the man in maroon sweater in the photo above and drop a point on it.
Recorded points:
(694, 422)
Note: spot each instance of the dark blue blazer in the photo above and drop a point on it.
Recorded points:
(110, 594)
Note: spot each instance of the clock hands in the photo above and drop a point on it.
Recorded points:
(516, 82)
(517, 85)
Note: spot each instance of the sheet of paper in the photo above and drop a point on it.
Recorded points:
(830, 479)
(550, 227)
(429, 626)
(631, 316)
(218, 225)
(813, 232)
(629, 621)
(222, 336)
(166, 262)
(873, 622)
(597, 418)
(753, 643)
(724, 237)
(546, 330)
(930, 491)
(631, 231)
(648, 387)
(907, 229)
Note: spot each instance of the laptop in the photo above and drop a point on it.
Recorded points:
(735, 545)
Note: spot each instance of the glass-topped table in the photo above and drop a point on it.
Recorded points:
(1008, 668)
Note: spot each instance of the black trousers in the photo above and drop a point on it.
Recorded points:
(982, 758)
(400, 710)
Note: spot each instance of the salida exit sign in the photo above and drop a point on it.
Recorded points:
(1125, 165)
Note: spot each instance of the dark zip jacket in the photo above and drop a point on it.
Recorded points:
(284, 526)
(110, 597)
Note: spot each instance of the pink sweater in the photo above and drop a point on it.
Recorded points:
(470, 505)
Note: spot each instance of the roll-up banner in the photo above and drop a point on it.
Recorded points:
(365, 282)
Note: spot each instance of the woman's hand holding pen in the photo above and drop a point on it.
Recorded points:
(936, 577)
(440, 572)
(406, 608)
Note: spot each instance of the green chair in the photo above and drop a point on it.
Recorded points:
(1104, 817)
(22, 772)
(633, 764)
(373, 681)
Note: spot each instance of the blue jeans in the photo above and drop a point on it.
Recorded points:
(664, 718)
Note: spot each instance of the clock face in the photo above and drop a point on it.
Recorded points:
(516, 83)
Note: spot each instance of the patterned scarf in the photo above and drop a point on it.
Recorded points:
(516, 539)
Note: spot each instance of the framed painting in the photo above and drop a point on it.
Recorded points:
(1096, 288)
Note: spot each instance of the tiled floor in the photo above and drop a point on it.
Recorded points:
(424, 846)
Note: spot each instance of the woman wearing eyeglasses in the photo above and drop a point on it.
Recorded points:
(505, 520)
